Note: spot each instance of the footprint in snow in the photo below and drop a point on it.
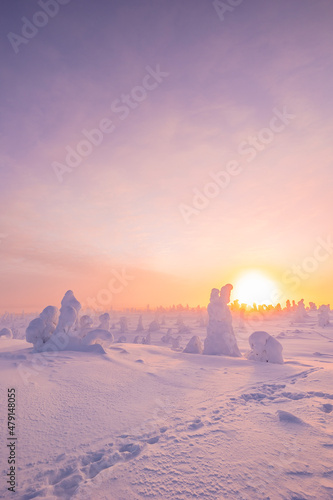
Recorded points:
(196, 424)
(289, 418)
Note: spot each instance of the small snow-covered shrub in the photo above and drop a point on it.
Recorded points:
(175, 343)
(194, 346)
(86, 321)
(324, 316)
(265, 348)
(123, 324)
(300, 311)
(140, 328)
(98, 336)
(154, 326)
(166, 339)
(37, 333)
(147, 339)
(104, 321)
(6, 333)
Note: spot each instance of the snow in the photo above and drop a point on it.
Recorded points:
(140, 328)
(324, 316)
(100, 336)
(194, 346)
(104, 321)
(300, 312)
(134, 421)
(6, 333)
(220, 335)
(123, 324)
(265, 348)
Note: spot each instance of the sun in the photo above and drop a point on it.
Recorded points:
(255, 287)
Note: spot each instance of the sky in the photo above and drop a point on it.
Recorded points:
(153, 150)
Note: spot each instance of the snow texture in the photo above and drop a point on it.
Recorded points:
(300, 312)
(6, 333)
(40, 329)
(69, 311)
(100, 336)
(194, 346)
(220, 334)
(152, 422)
(324, 316)
(265, 348)
(140, 328)
(104, 321)
(123, 324)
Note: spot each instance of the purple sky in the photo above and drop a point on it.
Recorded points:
(123, 206)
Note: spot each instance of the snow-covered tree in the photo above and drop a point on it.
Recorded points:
(220, 334)
(324, 316)
(265, 348)
(6, 333)
(194, 346)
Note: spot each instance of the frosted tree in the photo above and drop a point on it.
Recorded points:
(175, 343)
(69, 311)
(123, 324)
(50, 317)
(6, 333)
(86, 323)
(166, 339)
(265, 348)
(104, 321)
(324, 316)
(140, 328)
(147, 339)
(154, 326)
(194, 346)
(40, 329)
(220, 334)
(300, 311)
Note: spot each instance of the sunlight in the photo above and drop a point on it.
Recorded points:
(255, 287)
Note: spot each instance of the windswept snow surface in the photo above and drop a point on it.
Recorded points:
(152, 422)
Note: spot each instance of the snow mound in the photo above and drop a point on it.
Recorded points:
(99, 336)
(220, 334)
(6, 333)
(194, 346)
(265, 348)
